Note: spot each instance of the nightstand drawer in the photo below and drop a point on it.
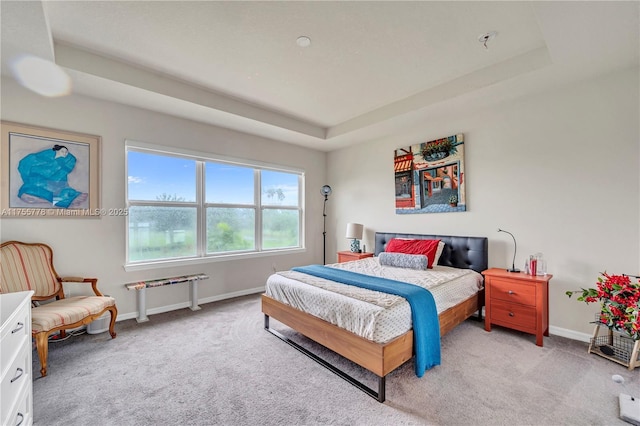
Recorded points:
(518, 316)
(511, 291)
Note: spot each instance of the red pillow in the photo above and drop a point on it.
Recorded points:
(425, 247)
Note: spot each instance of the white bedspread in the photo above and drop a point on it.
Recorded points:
(370, 314)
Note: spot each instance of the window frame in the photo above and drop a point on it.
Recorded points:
(201, 158)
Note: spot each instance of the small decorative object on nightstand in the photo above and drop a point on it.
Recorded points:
(348, 256)
(518, 301)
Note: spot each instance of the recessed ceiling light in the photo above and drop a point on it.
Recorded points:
(303, 41)
(487, 37)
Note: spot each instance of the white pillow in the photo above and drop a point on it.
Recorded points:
(438, 253)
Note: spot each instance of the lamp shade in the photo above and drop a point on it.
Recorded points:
(354, 230)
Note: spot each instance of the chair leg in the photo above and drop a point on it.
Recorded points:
(112, 325)
(42, 345)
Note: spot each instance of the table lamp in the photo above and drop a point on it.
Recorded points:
(354, 232)
(515, 247)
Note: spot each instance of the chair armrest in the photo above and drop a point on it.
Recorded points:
(72, 279)
(93, 281)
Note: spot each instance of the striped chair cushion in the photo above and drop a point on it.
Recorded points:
(67, 311)
(27, 267)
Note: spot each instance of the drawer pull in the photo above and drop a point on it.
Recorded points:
(20, 416)
(19, 373)
(511, 292)
(511, 314)
(18, 328)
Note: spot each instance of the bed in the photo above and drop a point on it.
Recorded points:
(380, 358)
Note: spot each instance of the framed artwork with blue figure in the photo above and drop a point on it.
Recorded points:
(49, 173)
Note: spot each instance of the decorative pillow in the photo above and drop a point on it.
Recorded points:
(401, 260)
(424, 247)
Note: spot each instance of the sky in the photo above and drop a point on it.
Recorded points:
(151, 176)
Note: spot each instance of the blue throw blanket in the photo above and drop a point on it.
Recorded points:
(426, 327)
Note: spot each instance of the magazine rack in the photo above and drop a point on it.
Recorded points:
(615, 347)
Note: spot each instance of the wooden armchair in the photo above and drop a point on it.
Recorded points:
(26, 266)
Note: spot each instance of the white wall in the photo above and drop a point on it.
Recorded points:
(96, 247)
(560, 170)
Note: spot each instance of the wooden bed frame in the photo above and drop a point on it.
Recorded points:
(381, 359)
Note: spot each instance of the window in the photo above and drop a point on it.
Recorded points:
(280, 213)
(188, 206)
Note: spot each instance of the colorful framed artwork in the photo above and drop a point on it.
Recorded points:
(48, 173)
(429, 177)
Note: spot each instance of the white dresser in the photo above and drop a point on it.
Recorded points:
(16, 380)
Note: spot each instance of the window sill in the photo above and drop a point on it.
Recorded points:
(141, 266)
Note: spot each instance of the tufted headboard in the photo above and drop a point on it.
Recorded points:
(459, 252)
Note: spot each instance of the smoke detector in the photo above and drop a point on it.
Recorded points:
(487, 37)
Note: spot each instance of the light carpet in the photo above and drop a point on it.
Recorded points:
(218, 366)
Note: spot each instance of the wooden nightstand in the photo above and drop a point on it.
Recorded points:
(518, 301)
(348, 256)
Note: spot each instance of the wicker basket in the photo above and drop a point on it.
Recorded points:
(619, 347)
(615, 347)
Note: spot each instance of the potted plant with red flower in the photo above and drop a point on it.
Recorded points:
(619, 299)
(620, 303)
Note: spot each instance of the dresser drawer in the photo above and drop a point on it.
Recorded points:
(15, 335)
(511, 291)
(17, 378)
(514, 315)
(21, 414)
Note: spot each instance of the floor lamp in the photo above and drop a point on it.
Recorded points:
(325, 190)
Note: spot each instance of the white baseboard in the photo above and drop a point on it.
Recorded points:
(569, 334)
(187, 304)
